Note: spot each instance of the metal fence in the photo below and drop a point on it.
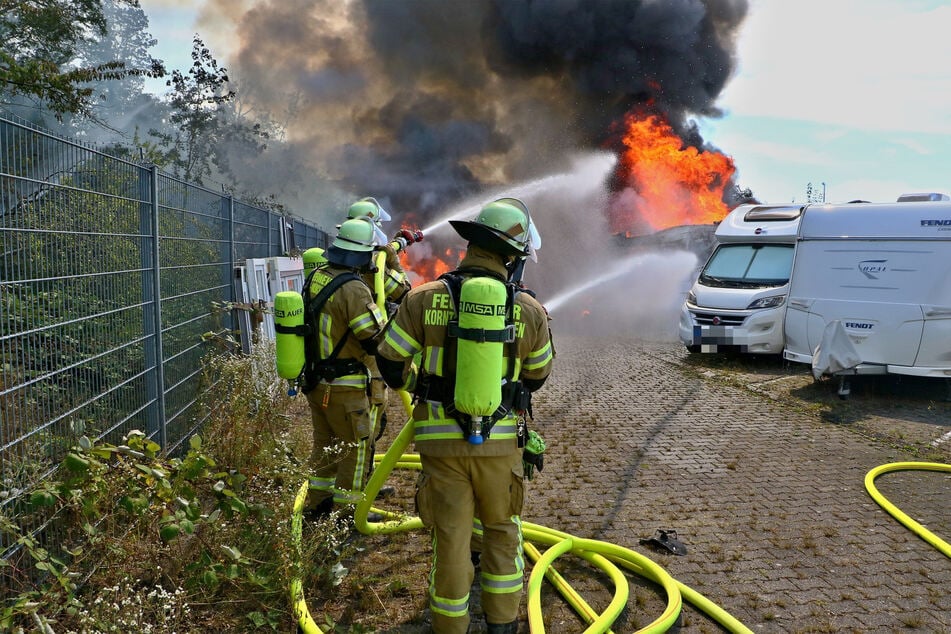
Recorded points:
(110, 273)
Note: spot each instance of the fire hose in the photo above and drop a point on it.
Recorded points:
(897, 513)
(605, 556)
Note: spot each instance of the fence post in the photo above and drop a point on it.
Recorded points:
(146, 198)
(228, 204)
(156, 265)
(271, 217)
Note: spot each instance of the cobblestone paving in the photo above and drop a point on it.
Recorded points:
(758, 468)
(766, 491)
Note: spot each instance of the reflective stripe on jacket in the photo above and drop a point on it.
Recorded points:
(350, 309)
(419, 330)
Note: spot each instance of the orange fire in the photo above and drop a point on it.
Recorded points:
(663, 182)
(423, 265)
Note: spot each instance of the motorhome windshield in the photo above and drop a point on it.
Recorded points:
(748, 266)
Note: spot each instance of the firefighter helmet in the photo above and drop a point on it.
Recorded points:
(369, 207)
(313, 258)
(503, 226)
(356, 234)
(354, 244)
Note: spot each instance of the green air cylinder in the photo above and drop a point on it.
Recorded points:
(480, 364)
(289, 312)
(312, 258)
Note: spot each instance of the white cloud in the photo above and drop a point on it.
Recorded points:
(915, 146)
(874, 64)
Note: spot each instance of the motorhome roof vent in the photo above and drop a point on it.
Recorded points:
(772, 212)
(915, 198)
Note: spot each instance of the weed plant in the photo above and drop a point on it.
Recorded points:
(153, 543)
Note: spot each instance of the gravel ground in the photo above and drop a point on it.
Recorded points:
(758, 468)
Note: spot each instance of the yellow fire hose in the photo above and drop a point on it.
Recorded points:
(894, 511)
(304, 620)
(600, 554)
(378, 282)
(607, 557)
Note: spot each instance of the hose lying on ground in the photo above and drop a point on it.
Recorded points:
(602, 555)
(894, 511)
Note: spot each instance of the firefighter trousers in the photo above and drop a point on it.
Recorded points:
(450, 492)
(340, 456)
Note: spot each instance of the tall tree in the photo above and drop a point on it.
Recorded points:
(38, 53)
(123, 105)
(205, 125)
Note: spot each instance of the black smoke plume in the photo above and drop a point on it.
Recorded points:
(424, 102)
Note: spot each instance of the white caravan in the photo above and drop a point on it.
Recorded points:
(739, 298)
(870, 290)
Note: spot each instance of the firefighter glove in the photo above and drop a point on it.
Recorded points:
(533, 456)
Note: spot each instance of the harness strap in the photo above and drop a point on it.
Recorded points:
(330, 367)
(441, 389)
(481, 335)
(301, 330)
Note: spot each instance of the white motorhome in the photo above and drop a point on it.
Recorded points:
(739, 298)
(870, 291)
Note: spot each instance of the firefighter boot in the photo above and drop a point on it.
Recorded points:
(321, 510)
(502, 628)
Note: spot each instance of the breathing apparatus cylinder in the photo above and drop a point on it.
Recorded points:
(479, 363)
(289, 348)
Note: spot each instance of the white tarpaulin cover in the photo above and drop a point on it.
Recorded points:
(835, 352)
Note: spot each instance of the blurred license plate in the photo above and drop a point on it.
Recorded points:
(712, 338)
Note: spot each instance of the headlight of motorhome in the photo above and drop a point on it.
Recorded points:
(691, 298)
(768, 302)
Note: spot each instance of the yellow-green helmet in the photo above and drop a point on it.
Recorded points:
(503, 226)
(313, 258)
(356, 234)
(370, 208)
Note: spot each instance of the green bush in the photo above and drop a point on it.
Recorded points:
(194, 543)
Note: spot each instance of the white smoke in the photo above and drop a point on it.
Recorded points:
(590, 280)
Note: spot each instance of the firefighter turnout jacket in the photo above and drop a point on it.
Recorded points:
(350, 313)
(420, 329)
(338, 400)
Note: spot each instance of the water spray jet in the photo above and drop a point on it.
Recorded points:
(591, 168)
(625, 266)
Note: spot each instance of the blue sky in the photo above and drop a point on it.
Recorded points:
(855, 94)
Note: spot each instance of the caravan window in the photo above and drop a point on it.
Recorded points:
(744, 265)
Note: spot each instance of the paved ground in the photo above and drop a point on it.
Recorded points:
(766, 491)
(760, 471)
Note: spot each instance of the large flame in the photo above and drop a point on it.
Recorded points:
(663, 183)
(426, 264)
(425, 261)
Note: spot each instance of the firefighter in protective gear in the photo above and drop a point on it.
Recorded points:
(336, 381)
(389, 283)
(461, 480)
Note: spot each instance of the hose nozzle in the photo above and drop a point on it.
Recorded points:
(405, 237)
